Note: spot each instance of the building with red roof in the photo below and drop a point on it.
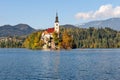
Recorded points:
(50, 30)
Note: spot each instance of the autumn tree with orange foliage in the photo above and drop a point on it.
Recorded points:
(66, 40)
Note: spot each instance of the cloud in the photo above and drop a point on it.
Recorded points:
(105, 11)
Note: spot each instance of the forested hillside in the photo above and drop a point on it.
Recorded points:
(94, 38)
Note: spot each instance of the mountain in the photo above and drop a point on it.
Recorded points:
(69, 26)
(113, 23)
(17, 30)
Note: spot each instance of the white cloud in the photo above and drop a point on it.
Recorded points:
(105, 11)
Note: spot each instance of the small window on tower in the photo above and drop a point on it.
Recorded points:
(56, 24)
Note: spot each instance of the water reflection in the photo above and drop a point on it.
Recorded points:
(50, 65)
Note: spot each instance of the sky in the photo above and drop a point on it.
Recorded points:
(40, 14)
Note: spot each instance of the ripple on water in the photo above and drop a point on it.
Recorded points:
(87, 64)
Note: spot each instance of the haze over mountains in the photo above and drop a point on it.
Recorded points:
(24, 29)
(113, 23)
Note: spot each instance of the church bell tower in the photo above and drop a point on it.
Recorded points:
(56, 25)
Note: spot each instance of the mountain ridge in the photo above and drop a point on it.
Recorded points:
(16, 30)
(25, 29)
(113, 23)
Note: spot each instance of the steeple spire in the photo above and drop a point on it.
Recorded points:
(56, 19)
(56, 14)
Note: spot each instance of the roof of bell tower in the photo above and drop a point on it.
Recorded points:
(56, 19)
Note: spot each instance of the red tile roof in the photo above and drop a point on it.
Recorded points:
(50, 30)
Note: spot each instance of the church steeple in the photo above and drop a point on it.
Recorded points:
(56, 24)
(56, 19)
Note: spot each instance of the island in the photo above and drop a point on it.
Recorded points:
(60, 36)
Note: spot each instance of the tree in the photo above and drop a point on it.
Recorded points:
(66, 40)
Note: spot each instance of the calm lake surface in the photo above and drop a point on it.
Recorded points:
(78, 64)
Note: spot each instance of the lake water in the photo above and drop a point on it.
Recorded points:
(78, 64)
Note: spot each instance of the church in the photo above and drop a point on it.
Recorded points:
(47, 34)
